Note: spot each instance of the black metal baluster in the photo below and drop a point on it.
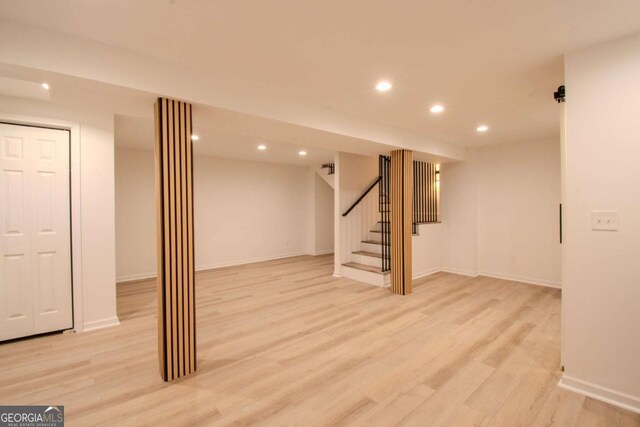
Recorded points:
(384, 166)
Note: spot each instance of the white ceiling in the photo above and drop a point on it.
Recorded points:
(138, 133)
(23, 89)
(488, 61)
(222, 133)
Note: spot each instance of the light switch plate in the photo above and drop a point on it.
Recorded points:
(604, 220)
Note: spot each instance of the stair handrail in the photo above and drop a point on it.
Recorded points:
(373, 184)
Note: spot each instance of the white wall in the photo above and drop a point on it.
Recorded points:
(97, 247)
(135, 214)
(500, 213)
(518, 203)
(601, 289)
(243, 212)
(459, 216)
(429, 253)
(248, 211)
(323, 203)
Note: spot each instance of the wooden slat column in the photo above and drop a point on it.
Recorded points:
(174, 222)
(401, 221)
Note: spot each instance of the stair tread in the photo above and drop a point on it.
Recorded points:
(374, 242)
(367, 253)
(387, 232)
(365, 267)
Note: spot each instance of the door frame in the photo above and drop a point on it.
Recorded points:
(76, 207)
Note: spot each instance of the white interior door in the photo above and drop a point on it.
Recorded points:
(35, 245)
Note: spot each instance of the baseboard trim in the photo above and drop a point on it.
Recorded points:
(101, 324)
(521, 279)
(460, 271)
(452, 270)
(325, 252)
(135, 277)
(249, 261)
(145, 276)
(426, 273)
(621, 400)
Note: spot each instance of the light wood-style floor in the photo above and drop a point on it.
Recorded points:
(284, 343)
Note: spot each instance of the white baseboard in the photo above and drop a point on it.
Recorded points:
(143, 276)
(324, 252)
(136, 277)
(521, 279)
(622, 400)
(426, 273)
(460, 271)
(101, 324)
(249, 261)
(452, 270)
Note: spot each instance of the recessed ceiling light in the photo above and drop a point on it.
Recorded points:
(383, 86)
(302, 153)
(437, 109)
(262, 147)
(45, 86)
(195, 137)
(482, 128)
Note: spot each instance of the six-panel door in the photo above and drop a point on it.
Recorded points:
(35, 270)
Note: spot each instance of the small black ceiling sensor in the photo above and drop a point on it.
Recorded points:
(559, 95)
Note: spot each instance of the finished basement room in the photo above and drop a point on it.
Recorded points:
(320, 214)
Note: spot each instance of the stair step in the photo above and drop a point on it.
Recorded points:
(374, 242)
(367, 253)
(364, 267)
(387, 222)
(387, 232)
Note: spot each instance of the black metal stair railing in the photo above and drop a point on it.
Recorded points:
(425, 194)
(384, 203)
(330, 166)
(362, 196)
(425, 201)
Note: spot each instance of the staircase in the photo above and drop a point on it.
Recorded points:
(371, 262)
(366, 263)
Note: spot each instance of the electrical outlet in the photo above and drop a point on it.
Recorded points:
(604, 220)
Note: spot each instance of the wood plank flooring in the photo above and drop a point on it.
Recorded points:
(284, 343)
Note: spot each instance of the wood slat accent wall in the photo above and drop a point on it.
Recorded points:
(401, 221)
(174, 222)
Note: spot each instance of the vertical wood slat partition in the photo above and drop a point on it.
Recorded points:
(425, 193)
(174, 230)
(401, 221)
